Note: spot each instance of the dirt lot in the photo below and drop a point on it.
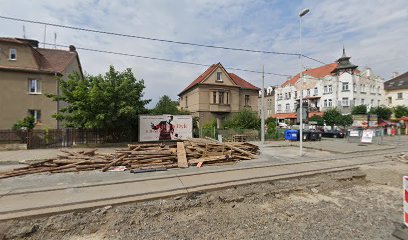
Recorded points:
(358, 204)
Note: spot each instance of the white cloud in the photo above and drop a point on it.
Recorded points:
(373, 31)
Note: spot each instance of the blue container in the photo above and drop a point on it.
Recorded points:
(291, 135)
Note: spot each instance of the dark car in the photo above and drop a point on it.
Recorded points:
(333, 134)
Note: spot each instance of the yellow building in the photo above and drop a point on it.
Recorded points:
(217, 94)
(27, 73)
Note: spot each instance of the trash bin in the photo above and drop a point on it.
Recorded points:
(291, 135)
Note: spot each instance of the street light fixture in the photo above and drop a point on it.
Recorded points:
(301, 14)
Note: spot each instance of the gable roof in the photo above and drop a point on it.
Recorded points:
(48, 60)
(399, 82)
(318, 72)
(235, 78)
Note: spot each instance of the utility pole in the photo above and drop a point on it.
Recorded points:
(45, 34)
(262, 107)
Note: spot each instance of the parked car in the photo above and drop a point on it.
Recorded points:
(282, 125)
(333, 134)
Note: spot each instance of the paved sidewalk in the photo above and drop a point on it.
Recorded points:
(14, 204)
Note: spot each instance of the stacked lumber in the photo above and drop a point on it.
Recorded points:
(144, 157)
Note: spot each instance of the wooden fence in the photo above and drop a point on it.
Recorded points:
(56, 138)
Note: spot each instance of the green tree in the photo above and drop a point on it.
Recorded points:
(110, 101)
(27, 123)
(400, 111)
(245, 119)
(359, 110)
(382, 112)
(318, 119)
(345, 120)
(332, 116)
(167, 106)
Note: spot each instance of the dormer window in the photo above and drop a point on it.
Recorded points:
(219, 79)
(12, 54)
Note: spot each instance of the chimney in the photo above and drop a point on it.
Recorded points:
(395, 74)
(368, 72)
(72, 48)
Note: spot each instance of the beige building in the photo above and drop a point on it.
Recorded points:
(269, 102)
(217, 94)
(396, 90)
(27, 73)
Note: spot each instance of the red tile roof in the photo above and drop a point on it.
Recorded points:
(314, 72)
(284, 115)
(235, 78)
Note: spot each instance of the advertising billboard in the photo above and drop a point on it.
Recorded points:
(165, 127)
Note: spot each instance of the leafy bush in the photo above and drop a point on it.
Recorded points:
(27, 123)
(400, 111)
(359, 110)
(318, 119)
(245, 119)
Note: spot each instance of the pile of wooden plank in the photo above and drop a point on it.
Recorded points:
(144, 157)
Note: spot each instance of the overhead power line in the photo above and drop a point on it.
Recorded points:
(159, 40)
(163, 59)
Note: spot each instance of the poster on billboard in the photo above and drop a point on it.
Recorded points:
(165, 127)
(360, 121)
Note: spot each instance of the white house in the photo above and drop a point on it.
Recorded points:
(338, 84)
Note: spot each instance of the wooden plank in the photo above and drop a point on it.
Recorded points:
(208, 159)
(181, 156)
(112, 163)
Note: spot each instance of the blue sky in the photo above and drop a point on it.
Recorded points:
(374, 33)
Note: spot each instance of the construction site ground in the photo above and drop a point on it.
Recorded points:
(347, 201)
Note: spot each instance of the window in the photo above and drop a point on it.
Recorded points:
(354, 87)
(345, 102)
(362, 101)
(287, 107)
(362, 88)
(12, 54)
(329, 88)
(227, 95)
(399, 95)
(214, 97)
(279, 107)
(186, 102)
(325, 103)
(372, 102)
(219, 77)
(389, 100)
(286, 95)
(221, 97)
(308, 92)
(295, 94)
(325, 89)
(315, 91)
(34, 86)
(36, 114)
(246, 100)
(345, 86)
(330, 103)
(289, 95)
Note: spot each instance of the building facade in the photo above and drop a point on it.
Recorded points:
(269, 102)
(217, 94)
(337, 85)
(396, 90)
(27, 73)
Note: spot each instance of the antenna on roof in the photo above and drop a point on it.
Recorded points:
(24, 31)
(55, 40)
(45, 34)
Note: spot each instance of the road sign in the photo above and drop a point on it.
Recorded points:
(405, 180)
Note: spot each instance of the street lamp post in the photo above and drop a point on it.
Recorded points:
(301, 14)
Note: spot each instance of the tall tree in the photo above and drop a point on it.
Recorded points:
(359, 110)
(400, 111)
(332, 116)
(167, 106)
(382, 112)
(110, 101)
(318, 119)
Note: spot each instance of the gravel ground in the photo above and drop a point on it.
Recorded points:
(358, 204)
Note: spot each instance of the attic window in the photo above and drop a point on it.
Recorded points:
(219, 77)
(12, 54)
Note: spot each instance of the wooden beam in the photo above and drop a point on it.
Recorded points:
(181, 156)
